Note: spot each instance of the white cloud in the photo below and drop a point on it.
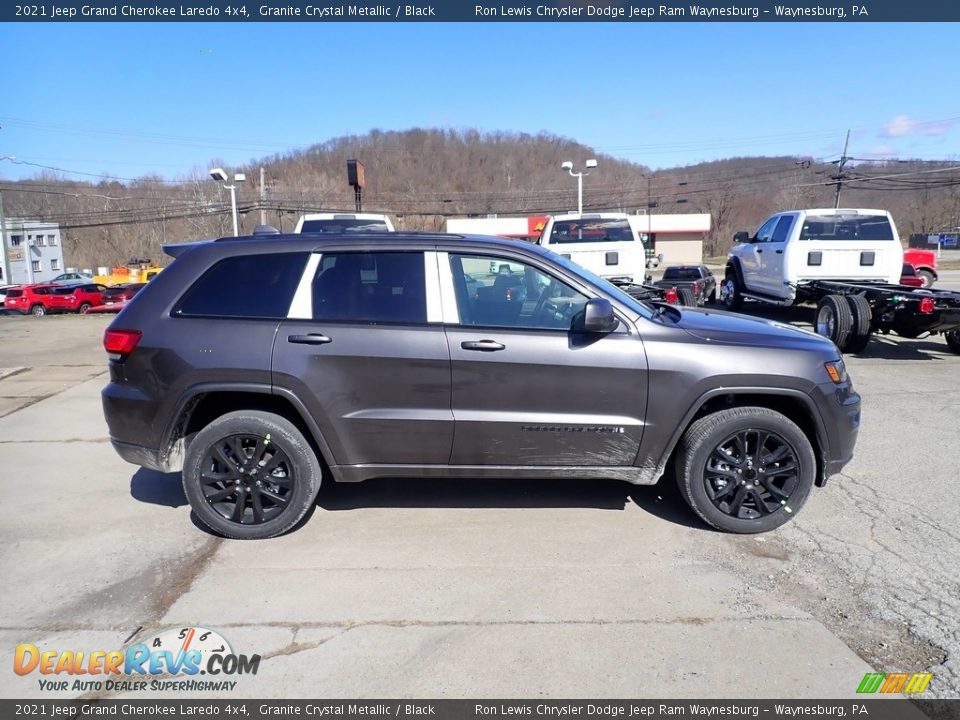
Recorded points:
(903, 125)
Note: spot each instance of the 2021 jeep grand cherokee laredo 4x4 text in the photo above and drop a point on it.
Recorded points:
(258, 365)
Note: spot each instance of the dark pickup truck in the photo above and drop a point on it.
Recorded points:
(695, 284)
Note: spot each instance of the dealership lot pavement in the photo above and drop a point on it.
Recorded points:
(494, 589)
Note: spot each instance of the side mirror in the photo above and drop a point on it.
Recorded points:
(741, 237)
(598, 316)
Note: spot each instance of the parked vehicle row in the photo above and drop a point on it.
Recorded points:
(42, 299)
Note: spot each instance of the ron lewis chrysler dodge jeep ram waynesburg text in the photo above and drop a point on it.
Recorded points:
(259, 365)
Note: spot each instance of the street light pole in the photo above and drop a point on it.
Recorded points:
(568, 166)
(221, 175)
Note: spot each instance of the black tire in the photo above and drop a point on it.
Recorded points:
(269, 443)
(84, 307)
(712, 298)
(953, 339)
(834, 320)
(38, 311)
(859, 336)
(745, 491)
(686, 297)
(927, 277)
(731, 292)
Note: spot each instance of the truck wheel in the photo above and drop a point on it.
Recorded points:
(746, 469)
(713, 297)
(862, 317)
(250, 475)
(686, 297)
(927, 277)
(953, 340)
(38, 311)
(834, 319)
(731, 293)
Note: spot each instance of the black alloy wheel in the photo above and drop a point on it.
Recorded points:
(751, 473)
(246, 479)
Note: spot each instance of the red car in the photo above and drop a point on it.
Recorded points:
(36, 300)
(909, 276)
(924, 262)
(115, 297)
(77, 298)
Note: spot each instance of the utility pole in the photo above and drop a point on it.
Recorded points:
(263, 200)
(839, 176)
(3, 241)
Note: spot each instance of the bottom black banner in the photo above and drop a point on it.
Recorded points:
(872, 709)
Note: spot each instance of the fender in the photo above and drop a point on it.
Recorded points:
(733, 263)
(820, 429)
(172, 449)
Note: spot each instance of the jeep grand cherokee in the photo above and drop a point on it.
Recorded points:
(260, 365)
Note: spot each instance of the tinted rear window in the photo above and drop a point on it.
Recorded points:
(846, 227)
(372, 287)
(681, 274)
(347, 225)
(587, 230)
(14, 293)
(249, 286)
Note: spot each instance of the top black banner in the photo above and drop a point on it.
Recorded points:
(636, 11)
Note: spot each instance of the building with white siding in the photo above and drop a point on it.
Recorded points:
(32, 252)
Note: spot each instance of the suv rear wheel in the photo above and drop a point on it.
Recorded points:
(250, 475)
(38, 311)
(746, 469)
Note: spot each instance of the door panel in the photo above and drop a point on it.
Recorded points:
(525, 394)
(371, 369)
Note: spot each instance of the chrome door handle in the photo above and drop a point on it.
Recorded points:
(482, 345)
(309, 339)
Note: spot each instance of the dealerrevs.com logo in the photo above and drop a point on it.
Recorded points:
(170, 660)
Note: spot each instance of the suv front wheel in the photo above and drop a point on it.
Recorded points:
(250, 475)
(745, 469)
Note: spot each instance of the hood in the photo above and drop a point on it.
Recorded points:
(733, 329)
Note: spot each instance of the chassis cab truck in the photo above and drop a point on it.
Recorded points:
(605, 243)
(795, 247)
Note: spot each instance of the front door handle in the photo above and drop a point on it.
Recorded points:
(482, 345)
(779, 252)
(310, 339)
(759, 250)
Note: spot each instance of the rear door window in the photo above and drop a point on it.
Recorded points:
(782, 231)
(847, 227)
(371, 287)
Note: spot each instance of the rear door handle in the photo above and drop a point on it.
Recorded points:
(779, 252)
(310, 339)
(482, 345)
(759, 250)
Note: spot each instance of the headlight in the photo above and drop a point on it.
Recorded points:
(837, 371)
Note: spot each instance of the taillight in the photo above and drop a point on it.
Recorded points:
(121, 342)
(927, 306)
(696, 287)
(671, 296)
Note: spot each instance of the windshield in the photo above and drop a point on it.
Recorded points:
(589, 230)
(346, 225)
(846, 227)
(606, 286)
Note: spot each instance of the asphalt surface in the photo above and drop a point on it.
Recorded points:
(493, 589)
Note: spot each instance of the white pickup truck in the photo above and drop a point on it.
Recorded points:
(344, 223)
(847, 261)
(605, 243)
(794, 247)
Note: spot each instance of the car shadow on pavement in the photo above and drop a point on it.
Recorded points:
(481, 493)
(157, 488)
(662, 500)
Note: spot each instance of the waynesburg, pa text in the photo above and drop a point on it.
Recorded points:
(647, 12)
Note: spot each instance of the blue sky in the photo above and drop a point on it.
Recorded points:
(129, 99)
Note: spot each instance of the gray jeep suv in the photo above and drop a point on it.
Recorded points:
(259, 365)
